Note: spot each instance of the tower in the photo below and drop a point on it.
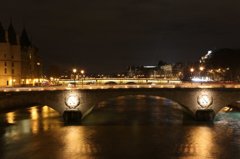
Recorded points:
(2, 34)
(12, 36)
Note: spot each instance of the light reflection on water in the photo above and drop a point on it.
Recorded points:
(132, 127)
(199, 143)
(10, 117)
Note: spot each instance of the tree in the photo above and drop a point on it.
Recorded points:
(161, 63)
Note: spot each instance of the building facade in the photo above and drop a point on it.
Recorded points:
(164, 71)
(19, 62)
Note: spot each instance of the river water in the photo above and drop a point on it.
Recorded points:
(126, 127)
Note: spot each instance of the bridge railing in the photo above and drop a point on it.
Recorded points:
(119, 86)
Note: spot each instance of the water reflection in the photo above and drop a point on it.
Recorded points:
(73, 139)
(203, 138)
(32, 120)
(34, 113)
(200, 143)
(134, 127)
(45, 111)
(10, 117)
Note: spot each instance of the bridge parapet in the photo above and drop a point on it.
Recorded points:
(120, 86)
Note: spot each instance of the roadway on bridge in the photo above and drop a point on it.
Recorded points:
(119, 86)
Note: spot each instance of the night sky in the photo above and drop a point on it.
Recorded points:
(109, 35)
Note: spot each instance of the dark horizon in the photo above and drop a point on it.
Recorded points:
(111, 35)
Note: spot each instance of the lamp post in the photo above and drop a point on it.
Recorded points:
(39, 74)
(201, 68)
(191, 70)
(74, 75)
(82, 73)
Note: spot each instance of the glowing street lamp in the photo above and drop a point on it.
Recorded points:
(201, 68)
(74, 70)
(191, 70)
(82, 72)
(74, 75)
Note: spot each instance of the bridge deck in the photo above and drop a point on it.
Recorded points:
(119, 86)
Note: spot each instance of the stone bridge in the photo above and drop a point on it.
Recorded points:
(75, 103)
(119, 81)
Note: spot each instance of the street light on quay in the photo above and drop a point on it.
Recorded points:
(191, 70)
(74, 70)
(201, 68)
(82, 73)
(74, 75)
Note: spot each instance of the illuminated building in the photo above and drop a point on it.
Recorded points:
(164, 71)
(221, 65)
(19, 62)
(204, 58)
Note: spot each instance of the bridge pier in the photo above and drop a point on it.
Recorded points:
(72, 116)
(205, 115)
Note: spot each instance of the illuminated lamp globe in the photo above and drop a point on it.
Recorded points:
(72, 101)
(204, 100)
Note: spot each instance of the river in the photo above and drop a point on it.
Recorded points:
(126, 127)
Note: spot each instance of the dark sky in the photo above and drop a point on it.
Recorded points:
(109, 35)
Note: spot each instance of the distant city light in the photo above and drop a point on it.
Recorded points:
(209, 52)
(74, 70)
(204, 58)
(201, 79)
(149, 66)
(201, 68)
(82, 71)
(191, 69)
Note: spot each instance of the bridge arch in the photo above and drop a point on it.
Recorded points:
(138, 109)
(231, 103)
(92, 97)
(110, 83)
(130, 83)
(15, 100)
(139, 96)
(187, 98)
